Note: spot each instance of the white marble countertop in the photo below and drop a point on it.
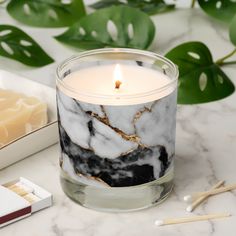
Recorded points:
(205, 149)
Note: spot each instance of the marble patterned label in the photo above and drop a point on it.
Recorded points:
(116, 146)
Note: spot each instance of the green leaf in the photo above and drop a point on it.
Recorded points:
(117, 26)
(223, 10)
(201, 80)
(17, 45)
(150, 7)
(232, 31)
(106, 3)
(46, 13)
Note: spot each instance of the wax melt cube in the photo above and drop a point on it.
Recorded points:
(19, 115)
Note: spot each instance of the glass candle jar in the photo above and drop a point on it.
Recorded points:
(117, 116)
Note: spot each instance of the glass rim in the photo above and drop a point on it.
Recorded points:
(173, 79)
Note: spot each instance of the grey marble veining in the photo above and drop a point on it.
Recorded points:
(205, 151)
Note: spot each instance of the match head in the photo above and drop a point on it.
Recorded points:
(189, 209)
(187, 198)
(159, 222)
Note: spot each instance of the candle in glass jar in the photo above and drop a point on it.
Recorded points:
(116, 116)
(112, 121)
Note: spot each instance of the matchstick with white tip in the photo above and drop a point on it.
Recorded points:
(198, 201)
(172, 221)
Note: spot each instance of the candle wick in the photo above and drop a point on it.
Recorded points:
(118, 84)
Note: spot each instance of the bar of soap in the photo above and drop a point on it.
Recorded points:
(19, 115)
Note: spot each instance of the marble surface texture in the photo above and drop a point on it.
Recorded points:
(205, 149)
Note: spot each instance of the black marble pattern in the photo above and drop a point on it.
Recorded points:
(125, 170)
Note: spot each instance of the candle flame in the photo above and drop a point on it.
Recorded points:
(117, 76)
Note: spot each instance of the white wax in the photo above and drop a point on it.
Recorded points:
(97, 85)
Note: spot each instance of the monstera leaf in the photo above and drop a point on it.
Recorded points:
(117, 26)
(17, 45)
(201, 80)
(232, 32)
(223, 10)
(46, 13)
(150, 7)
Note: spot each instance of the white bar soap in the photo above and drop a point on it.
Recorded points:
(19, 115)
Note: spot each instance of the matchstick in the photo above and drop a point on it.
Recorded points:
(218, 190)
(20, 189)
(12, 187)
(198, 201)
(172, 221)
(31, 198)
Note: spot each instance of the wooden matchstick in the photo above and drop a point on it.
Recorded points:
(218, 190)
(198, 201)
(12, 187)
(20, 189)
(31, 198)
(172, 221)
